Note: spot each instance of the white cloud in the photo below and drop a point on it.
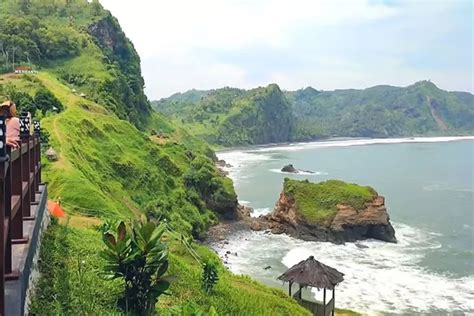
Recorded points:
(205, 44)
(161, 27)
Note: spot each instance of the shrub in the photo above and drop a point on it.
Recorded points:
(210, 276)
(46, 101)
(140, 259)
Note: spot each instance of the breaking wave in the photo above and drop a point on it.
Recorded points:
(378, 278)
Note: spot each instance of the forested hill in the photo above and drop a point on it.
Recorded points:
(421, 109)
(383, 111)
(231, 116)
(83, 45)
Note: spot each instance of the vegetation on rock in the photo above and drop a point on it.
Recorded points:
(317, 202)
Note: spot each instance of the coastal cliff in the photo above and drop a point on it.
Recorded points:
(332, 211)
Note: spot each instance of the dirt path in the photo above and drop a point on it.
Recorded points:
(442, 125)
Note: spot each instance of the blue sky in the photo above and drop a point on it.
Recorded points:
(327, 44)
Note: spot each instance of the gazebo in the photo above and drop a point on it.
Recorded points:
(312, 273)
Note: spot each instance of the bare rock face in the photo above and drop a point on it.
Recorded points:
(348, 225)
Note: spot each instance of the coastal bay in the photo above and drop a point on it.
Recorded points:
(429, 192)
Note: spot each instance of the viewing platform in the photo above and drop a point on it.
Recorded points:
(23, 215)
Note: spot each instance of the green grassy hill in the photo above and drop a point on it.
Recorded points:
(230, 117)
(116, 160)
(421, 109)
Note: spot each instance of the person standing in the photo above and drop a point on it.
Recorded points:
(8, 110)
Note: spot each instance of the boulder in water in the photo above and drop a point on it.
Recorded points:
(289, 168)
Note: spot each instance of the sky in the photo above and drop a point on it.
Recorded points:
(326, 44)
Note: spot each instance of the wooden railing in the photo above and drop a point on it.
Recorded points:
(20, 177)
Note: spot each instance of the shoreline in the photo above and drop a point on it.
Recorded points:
(348, 256)
(356, 141)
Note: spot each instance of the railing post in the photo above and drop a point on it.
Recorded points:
(37, 133)
(25, 174)
(16, 196)
(4, 223)
(31, 161)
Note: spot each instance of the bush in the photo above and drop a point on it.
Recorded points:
(46, 101)
(210, 276)
(140, 259)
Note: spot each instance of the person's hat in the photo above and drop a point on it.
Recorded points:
(7, 103)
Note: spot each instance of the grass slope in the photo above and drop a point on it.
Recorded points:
(70, 284)
(107, 169)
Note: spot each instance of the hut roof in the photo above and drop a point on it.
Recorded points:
(313, 273)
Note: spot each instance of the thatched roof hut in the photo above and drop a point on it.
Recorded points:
(311, 272)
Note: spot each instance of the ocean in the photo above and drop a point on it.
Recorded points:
(428, 184)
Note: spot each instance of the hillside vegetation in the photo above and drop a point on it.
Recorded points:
(317, 202)
(116, 160)
(421, 109)
(230, 117)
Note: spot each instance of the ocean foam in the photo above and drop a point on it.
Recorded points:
(444, 187)
(360, 142)
(260, 211)
(301, 173)
(383, 277)
(239, 160)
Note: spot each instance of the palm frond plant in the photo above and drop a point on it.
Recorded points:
(138, 257)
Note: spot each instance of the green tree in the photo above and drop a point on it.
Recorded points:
(46, 101)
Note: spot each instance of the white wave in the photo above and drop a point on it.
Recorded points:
(443, 187)
(383, 277)
(260, 211)
(300, 172)
(240, 160)
(243, 202)
(360, 142)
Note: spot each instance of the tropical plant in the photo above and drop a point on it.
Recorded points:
(140, 259)
(210, 276)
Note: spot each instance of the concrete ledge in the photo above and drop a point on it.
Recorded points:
(25, 258)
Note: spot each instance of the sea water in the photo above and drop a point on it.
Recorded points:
(429, 188)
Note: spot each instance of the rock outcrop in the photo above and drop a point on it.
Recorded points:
(289, 168)
(347, 225)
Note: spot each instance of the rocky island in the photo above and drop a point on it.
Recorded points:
(291, 169)
(333, 211)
